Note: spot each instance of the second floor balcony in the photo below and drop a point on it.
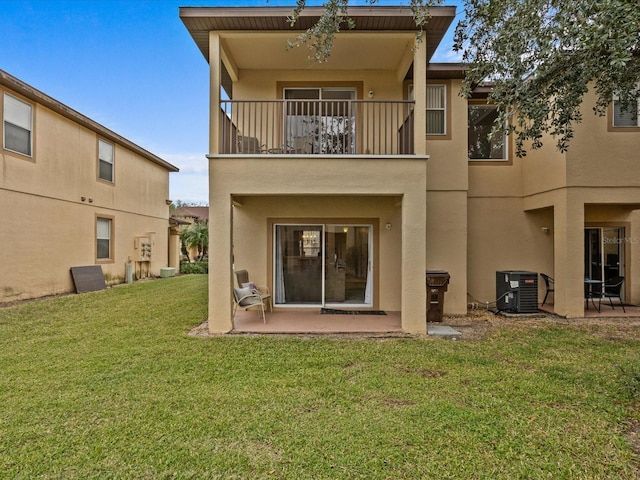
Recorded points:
(316, 127)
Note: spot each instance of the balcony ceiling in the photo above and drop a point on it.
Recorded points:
(351, 51)
(256, 37)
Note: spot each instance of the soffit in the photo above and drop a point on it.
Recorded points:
(351, 51)
(199, 21)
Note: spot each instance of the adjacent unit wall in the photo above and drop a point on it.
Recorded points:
(51, 201)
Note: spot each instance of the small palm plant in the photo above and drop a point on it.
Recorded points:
(196, 237)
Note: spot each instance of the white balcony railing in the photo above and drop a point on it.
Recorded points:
(316, 127)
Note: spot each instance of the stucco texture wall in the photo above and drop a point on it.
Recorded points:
(252, 234)
(51, 200)
(503, 237)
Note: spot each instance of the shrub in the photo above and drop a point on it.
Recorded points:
(195, 267)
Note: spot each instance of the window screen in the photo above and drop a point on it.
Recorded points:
(103, 237)
(436, 110)
(17, 125)
(105, 161)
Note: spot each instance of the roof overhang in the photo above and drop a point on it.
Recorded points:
(27, 91)
(256, 37)
(446, 70)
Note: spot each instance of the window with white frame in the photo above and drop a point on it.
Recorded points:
(483, 142)
(436, 110)
(626, 115)
(103, 238)
(18, 125)
(105, 161)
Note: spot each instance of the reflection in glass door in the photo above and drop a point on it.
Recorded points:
(347, 265)
(603, 253)
(298, 265)
(320, 120)
(323, 265)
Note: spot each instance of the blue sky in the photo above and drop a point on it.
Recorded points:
(129, 65)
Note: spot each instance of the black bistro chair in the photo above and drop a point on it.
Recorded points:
(548, 283)
(612, 289)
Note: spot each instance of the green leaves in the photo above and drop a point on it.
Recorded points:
(196, 236)
(543, 56)
(320, 37)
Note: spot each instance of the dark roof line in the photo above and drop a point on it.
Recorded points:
(37, 96)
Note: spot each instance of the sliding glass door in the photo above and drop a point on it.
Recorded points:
(604, 253)
(320, 120)
(321, 265)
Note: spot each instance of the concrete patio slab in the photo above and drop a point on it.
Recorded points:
(442, 330)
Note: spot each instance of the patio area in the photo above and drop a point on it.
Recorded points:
(605, 310)
(312, 321)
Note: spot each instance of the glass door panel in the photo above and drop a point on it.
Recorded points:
(323, 264)
(603, 253)
(320, 120)
(612, 252)
(348, 278)
(298, 275)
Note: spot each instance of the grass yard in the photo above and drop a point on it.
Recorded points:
(109, 385)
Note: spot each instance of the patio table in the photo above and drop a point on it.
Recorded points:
(588, 291)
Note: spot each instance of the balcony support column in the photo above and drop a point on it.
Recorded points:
(220, 261)
(215, 80)
(414, 258)
(568, 266)
(420, 97)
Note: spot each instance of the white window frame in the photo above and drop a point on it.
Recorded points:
(100, 236)
(411, 97)
(23, 124)
(443, 108)
(103, 160)
(505, 142)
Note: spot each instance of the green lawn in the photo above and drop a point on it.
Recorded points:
(109, 385)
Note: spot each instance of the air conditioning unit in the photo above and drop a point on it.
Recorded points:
(517, 291)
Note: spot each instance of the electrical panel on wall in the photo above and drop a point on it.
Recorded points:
(142, 246)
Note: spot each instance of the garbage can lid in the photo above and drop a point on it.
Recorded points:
(437, 278)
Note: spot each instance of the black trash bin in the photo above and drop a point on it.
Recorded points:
(437, 282)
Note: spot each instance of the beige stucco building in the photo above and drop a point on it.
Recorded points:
(340, 183)
(74, 193)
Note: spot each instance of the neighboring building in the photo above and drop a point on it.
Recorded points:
(74, 193)
(183, 217)
(340, 183)
(191, 214)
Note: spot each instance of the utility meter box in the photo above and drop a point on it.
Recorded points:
(142, 246)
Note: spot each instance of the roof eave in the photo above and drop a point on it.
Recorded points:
(199, 20)
(60, 108)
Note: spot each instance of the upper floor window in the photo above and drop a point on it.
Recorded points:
(484, 144)
(18, 125)
(104, 246)
(105, 161)
(626, 116)
(436, 110)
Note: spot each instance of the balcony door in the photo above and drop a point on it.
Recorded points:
(323, 265)
(320, 120)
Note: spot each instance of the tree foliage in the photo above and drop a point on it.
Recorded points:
(541, 56)
(196, 236)
(319, 38)
(178, 204)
